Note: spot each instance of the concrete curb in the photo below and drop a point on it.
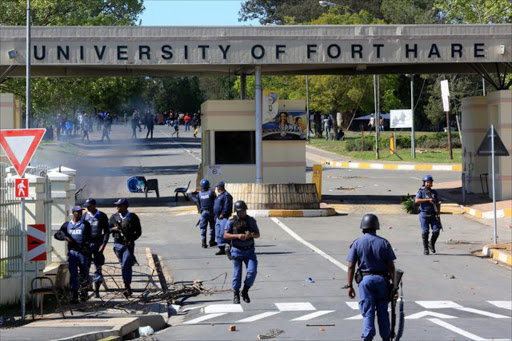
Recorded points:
(503, 213)
(322, 212)
(494, 251)
(392, 166)
(156, 322)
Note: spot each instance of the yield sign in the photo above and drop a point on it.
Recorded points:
(36, 245)
(20, 145)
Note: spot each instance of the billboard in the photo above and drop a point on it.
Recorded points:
(400, 118)
(286, 125)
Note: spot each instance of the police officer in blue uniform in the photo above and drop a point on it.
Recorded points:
(430, 207)
(100, 233)
(222, 208)
(125, 228)
(205, 202)
(374, 257)
(77, 232)
(241, 231)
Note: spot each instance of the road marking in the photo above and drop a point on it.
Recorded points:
(311, 246)
(502, 304)
(313, 315)
(453, 305)
(204, 318)
(457, 330)
(484, 313)
(188, 151)
(295, 306)
(223, 308)
(259, 316)
(429, 313)
(354, 306)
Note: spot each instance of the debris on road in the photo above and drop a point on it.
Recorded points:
(272, 333)
(146, 331)
(232, 328)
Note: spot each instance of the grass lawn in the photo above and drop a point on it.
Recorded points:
(422, 155)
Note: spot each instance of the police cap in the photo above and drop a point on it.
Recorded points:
(89, 202)
(77, 209)
(122, 202)
(370, 222)
(220, 184)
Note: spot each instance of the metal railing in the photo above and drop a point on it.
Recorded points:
(11, 234)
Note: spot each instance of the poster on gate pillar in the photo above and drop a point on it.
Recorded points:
(36, 242)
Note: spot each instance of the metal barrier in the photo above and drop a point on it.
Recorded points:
(11, 234)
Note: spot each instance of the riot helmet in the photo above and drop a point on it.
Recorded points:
(205, 184)
(428, 178)
(240, 206)
(370, 222)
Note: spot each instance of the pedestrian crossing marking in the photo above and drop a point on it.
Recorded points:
(353, 305)
(204, 318)
(258, 317)
(484, 313)
(223, 308)
(457, 330)
(438, 304)
(313, 315)
(429, 313)
(502, 304)
(295, 306)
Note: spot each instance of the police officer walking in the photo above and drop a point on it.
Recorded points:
(222, 208)
(429, 210)
(205, 202)
(125, 228)
(241, 231)
(374, 257)
(100, 233)
(77, 233)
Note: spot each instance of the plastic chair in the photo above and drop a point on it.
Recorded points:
(182, 190)
(57, 289)
(151, 185)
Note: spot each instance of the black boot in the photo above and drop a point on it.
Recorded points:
(236, 297)
(424, 236)
(97, 286)
(222, 250)
(74, 297)
(432, 244)
(203, 244)
(213, 243)
(127, 290)
(245, 294)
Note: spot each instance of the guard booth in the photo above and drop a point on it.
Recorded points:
(229, 142)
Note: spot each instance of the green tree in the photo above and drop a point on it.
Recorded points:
(410, 12)
(475, 11)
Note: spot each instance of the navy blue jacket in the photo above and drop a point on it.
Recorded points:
(100, 230)
(206, 199)
(223, 205)
(79, 232)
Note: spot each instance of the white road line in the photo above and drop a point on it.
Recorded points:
(188, 151)
(429, 313)
(313, 315)
(484, 313)
(223, 308)
(258, 317)
(502, 304)
(457, 330)
(204, 318)
(353, 305)
(311, 246)
(295, 306)
(438, 304)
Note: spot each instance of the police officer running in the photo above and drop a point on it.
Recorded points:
(429, 209)
(374, 257)
(100, 233)
(125, 228)
(77, 232)
(222, 208)
(241, 231)
(205, 202)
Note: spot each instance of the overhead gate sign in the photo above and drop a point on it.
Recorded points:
(36, 242)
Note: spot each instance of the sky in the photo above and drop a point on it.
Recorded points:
(192, 13)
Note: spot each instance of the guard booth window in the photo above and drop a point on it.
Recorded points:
(235, 147)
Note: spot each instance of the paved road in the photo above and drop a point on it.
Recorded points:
(449, 296)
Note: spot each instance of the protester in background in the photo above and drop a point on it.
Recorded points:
(150, 124)
(371, 124)
(135, 123)
(187, 122)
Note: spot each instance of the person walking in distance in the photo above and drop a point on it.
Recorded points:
(375, 259)
(240, 232)
(125, 228)
(100, 233)
(205, 202)
(222, 208)
(150, 124)
(135, 123)
(430, 207)
(77, 232)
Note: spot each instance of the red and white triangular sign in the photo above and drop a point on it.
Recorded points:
(20, 145)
